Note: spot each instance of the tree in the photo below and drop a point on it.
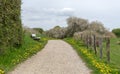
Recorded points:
(75, 25)
(116, 32)
(57, 32)
(97, 27)
(40, 30)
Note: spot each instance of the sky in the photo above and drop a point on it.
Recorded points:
(48, 13)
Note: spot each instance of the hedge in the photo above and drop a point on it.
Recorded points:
(10, 23)
(116, 32)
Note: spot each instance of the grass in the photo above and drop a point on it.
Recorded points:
(115, 53)
(13, 56)
(93, 62)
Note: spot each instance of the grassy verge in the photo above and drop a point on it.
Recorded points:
(115, 53)
(14, 56)
(92, 61)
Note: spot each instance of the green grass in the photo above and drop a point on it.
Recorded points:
(113, 65)
(13, 56)
(77, 45)
(115, 53)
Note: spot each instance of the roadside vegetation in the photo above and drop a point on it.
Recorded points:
(14, 56)
(97, 65)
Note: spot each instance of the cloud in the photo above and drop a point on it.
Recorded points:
(59, 12)
(48, 13)
(67, 11)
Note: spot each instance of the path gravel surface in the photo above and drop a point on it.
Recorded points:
(57, 57)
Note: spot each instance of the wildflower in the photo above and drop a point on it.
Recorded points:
(2, 72)
(102, 67)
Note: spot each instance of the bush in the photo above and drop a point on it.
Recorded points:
(40, 30)
(56, 32)
(110, 34)
(116, 32)
(10, 23)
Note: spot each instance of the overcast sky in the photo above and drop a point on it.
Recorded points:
(49, 13)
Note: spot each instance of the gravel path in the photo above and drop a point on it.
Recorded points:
(57, 57)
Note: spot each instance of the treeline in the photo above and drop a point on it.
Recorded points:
(10, 23)
(77, 26)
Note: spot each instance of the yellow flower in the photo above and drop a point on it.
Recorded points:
(1, 71)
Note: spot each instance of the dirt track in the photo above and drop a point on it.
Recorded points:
(57, 57)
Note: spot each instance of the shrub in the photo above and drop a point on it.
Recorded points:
(10, 23)
(40, 30)
(116, 32)
(56, 32)
(110, 34)
(30, 30)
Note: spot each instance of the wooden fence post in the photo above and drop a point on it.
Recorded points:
(101, 47)
(81, 36)
(108, 49)
(87, 42)
(94, 38)
(90, 41)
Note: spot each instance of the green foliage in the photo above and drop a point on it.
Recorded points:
(14, 56)
(116, 32)
(10, 23)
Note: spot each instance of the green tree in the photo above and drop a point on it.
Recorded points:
(116, 32)
(40, 30)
